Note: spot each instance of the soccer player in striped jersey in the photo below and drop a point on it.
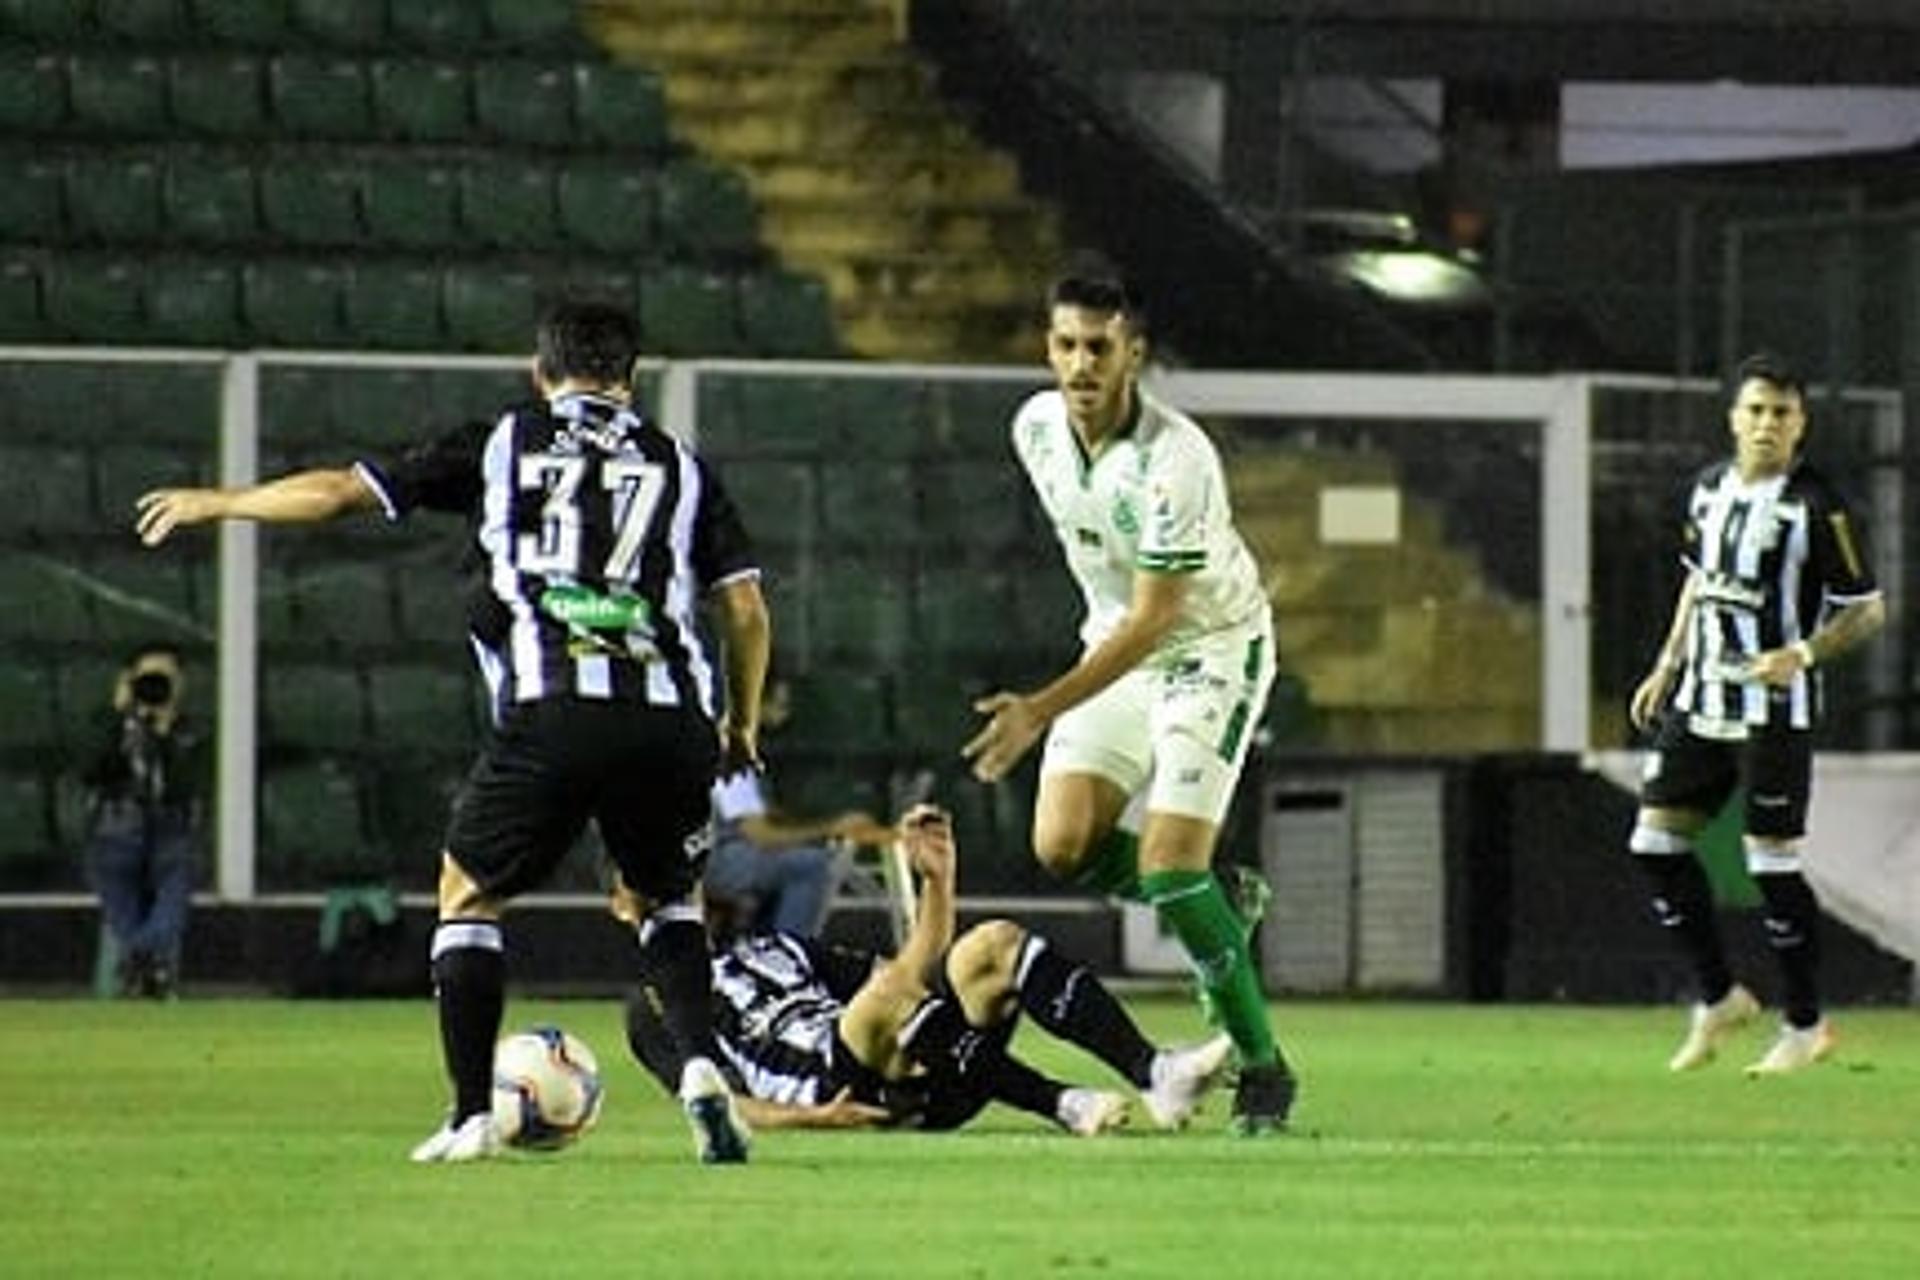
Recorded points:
(596, 537)
(1178, 657)
(1777, 585)
(828, 1037)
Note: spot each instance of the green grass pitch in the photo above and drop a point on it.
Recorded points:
(256, 1138)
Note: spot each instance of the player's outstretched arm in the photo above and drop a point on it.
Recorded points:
(746, 643)
(841, 1113)
(926, 834)
(303, 497)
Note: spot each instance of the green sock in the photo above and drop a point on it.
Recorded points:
(1192, 904)
(1114, 866)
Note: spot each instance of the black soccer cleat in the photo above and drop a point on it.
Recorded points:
(1263, 1100)
(720, 1133)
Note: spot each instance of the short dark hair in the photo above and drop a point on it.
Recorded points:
(588, 340)
(1769, 367)
(1093, 282)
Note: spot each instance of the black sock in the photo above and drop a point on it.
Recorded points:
(1793, 931)
(677, 977)
(1069, 1001)
(1683, 904)
(1019, 1085)
(470, 990)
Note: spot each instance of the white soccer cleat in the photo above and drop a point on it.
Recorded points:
(720, 1133)
(1091, 1112)
(474, 1138)
(1796, 1048)
(1181, 1077)
(1711, 1025)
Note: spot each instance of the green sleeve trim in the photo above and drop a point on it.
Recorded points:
(1171, 561)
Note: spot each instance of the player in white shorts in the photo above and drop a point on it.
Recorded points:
(1178, 658)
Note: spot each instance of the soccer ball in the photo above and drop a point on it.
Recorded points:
(546, 1088)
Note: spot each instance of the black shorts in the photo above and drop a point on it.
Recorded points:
(643, 773)
(961, 1061)
(1775, 766)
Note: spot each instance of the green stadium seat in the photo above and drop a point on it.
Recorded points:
(250, 23)
(294, 407)
(142, 22)
(777, 499)
(26, 705)
(432, 611)
(345, 24)
(836, 711)
(960, 614)
(121, 96)
(783, 314)
(607, 207)
(123, 471)
(509, 206)
(524, 102)
(82, 688)
(857, 612)
(489, 308)
(33, 91)
(387, 408)
(279, 630)
(344, 604)
(193, 303)
(49, 601)
(971, 506)
(210, 200)
(220, 95)
(20, 318)
(113, 196)
(25, 836)
(706, 211)
(191, 393)
(878, 417)
(440, 26)
(311, 707)
(535, 26)
(30, 202)
(619, 106)
(310, 824)
(460, 394)
(56, 401)
(395, 307)
(423, 707)
(93, 300)
(45, 491)
(311, 203)
(293, 304)
(864, 503)
(139, 595)
(410, 204)
(933, 714)
(685, 311)
(45, 21)
(318, 97)
(422, 101)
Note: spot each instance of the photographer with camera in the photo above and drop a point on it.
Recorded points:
(148, 784)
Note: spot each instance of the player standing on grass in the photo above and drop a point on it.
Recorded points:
(1777, 585)
(1179, 655)
(596, 535)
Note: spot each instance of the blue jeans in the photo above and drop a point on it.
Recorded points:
(144, 875)
(789, 885)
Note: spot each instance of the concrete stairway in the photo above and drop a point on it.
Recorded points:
(926, 243)
(1403, 648)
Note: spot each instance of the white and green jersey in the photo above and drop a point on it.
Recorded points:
(1154, 500)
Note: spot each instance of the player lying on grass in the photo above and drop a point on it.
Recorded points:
(827, 1037)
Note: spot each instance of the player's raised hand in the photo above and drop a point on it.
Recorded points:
(926, 834)
(1011, 728)
(161, 511)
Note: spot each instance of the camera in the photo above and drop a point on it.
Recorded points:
(153, 688)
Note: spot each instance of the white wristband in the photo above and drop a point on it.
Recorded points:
(1805, 651)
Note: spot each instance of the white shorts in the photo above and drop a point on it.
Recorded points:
(1180, 728)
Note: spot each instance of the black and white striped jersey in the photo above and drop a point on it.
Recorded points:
(1772, 556)
(777, 1002)
(596, 536)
